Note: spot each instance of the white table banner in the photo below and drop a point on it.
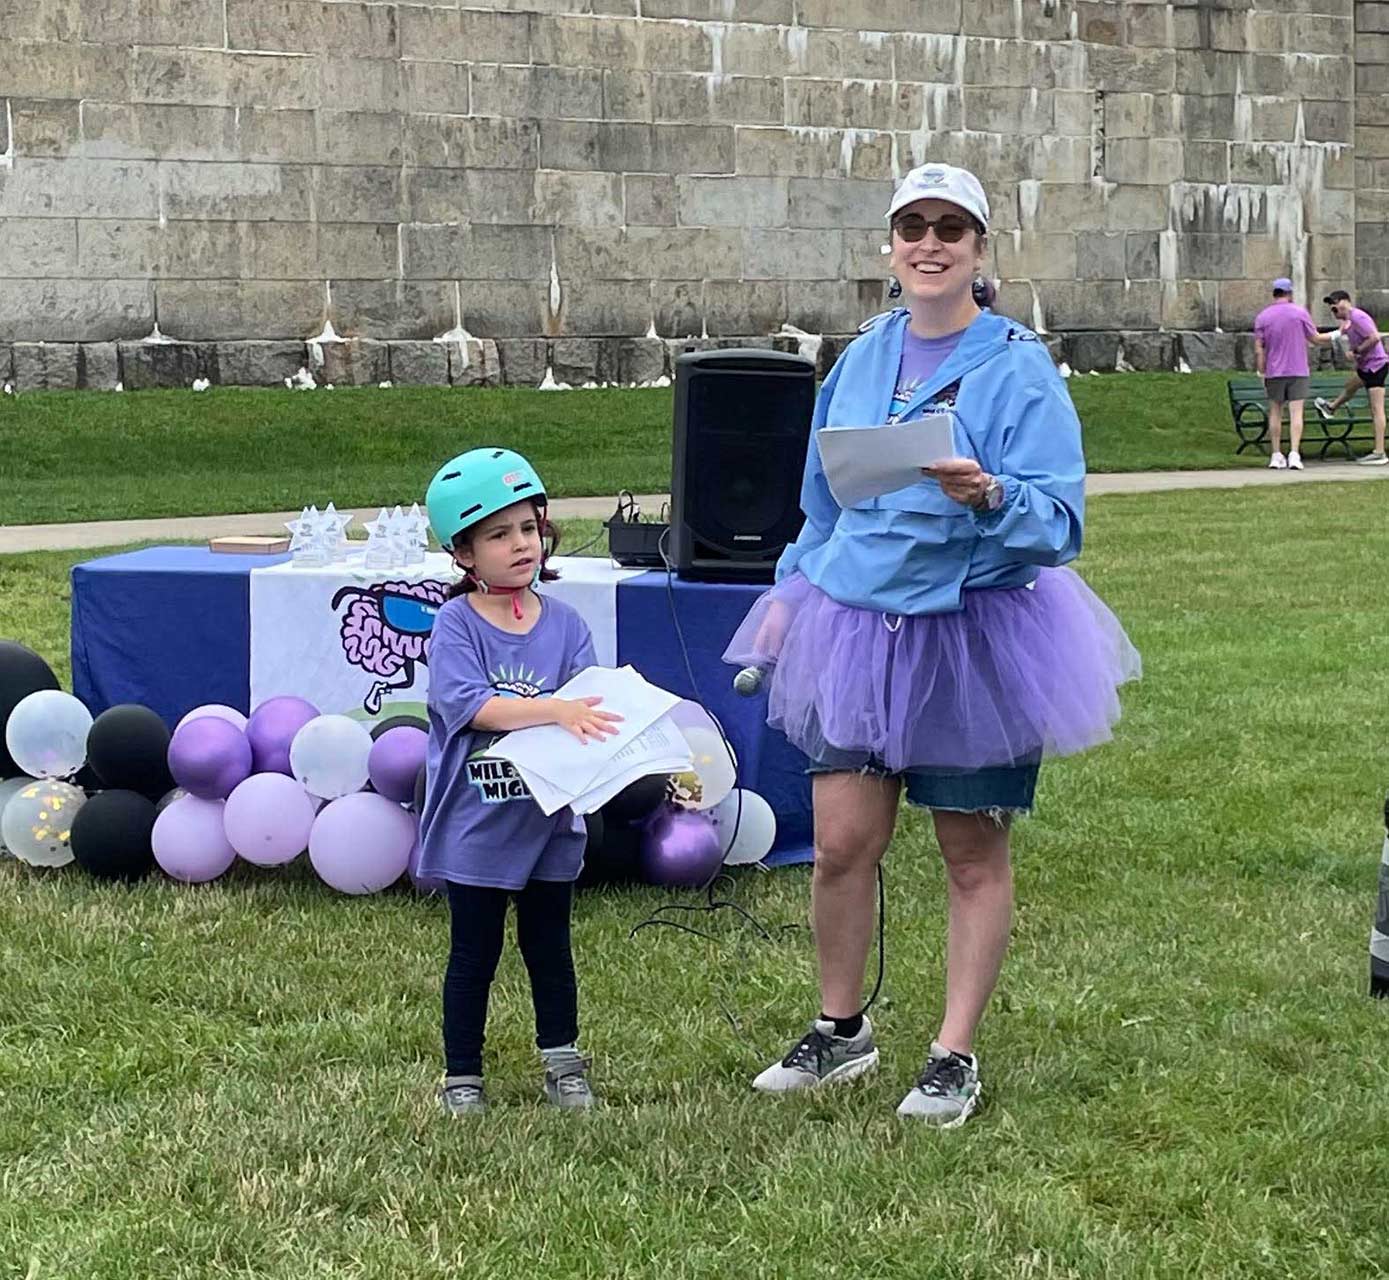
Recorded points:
(355, 641)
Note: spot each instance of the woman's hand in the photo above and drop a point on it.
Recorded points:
(581, 717)
(961, 479)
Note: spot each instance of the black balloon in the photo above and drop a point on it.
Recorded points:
(613, 855)
(420, 778)
(22, 672)
(595, 830)
(398, 722)
(128, 747)
(639, 801)
(86, 778)
(111, 836)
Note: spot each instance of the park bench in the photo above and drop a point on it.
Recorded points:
(1352, 422)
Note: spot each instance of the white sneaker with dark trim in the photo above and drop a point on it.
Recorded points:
(1278, 462)
(821, 1057)
(947, 1091)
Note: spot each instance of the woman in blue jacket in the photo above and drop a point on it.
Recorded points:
(928, 640)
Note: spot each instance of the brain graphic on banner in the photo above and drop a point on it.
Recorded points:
(385, 631)
(355, 641)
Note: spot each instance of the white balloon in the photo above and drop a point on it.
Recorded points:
(715, 765)
(329, 756)
(47, 734)
(9, 787)
(746, 826)
(37, 822)
(223, 712)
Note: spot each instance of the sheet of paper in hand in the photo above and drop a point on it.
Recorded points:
(866, 462)
(560, 770)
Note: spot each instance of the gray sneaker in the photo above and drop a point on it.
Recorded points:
(821, 1057)
(566, 1080)
(462, 1095)
(1373, 460)
(1323, 406)
(947, 1091)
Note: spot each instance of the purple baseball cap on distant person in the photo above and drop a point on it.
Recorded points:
(1282, 285)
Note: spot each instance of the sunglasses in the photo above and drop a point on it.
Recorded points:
(950, 228)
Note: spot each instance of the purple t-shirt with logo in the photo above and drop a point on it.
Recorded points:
(1358, 328)
(921, 357)
(480, 824)
(1285, 328)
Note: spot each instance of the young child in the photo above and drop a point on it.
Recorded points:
(497, 652)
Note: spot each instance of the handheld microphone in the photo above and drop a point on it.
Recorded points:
(749, 680)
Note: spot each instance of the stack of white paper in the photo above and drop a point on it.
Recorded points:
(867, 462)
(560, 770)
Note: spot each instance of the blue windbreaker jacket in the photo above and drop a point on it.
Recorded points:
(915, 551)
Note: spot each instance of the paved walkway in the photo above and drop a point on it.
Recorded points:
(114, 533)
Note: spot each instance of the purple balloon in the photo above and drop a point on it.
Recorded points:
(271, 729)
(395, 760)
(680, 849)
(425, 884)
(189, 841)
(219, 709)
(209, 757)
(361, 843)
(268, 819)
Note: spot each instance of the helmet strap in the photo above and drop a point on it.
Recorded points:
(514, 592)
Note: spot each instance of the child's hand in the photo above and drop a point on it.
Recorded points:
(581, 717)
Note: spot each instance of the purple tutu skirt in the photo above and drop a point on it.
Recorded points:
(1018, 672)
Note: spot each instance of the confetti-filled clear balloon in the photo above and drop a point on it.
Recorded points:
(47, 734)
(37, 822)
(715, 768)
(9, 787)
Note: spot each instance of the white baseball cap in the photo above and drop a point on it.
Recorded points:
(942, 182)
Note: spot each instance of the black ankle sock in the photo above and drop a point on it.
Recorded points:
(847, 1028)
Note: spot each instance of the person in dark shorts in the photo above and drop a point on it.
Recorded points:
(1371, 368)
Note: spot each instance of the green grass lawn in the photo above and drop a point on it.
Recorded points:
(98, 456)
(1185, 1076)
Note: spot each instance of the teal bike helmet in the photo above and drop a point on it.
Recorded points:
(475, 485)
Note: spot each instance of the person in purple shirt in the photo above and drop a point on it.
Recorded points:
(1371, 368)
(498, 651)
(1282, 331)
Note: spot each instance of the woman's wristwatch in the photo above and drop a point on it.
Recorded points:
(992, 497)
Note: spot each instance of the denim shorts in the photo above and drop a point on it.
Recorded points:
(1007, 788)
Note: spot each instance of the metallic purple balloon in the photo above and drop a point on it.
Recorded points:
(271, 729)
(681, 849)
(395, 760)
(209, 757)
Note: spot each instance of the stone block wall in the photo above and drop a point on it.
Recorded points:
(543, 171)
(1372, 155)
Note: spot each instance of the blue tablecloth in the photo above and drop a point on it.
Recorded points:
(169, 628)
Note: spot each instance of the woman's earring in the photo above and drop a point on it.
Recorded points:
(894, 290)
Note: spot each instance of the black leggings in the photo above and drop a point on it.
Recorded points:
(542, 930)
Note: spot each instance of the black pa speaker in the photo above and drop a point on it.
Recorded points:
(742, 424)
